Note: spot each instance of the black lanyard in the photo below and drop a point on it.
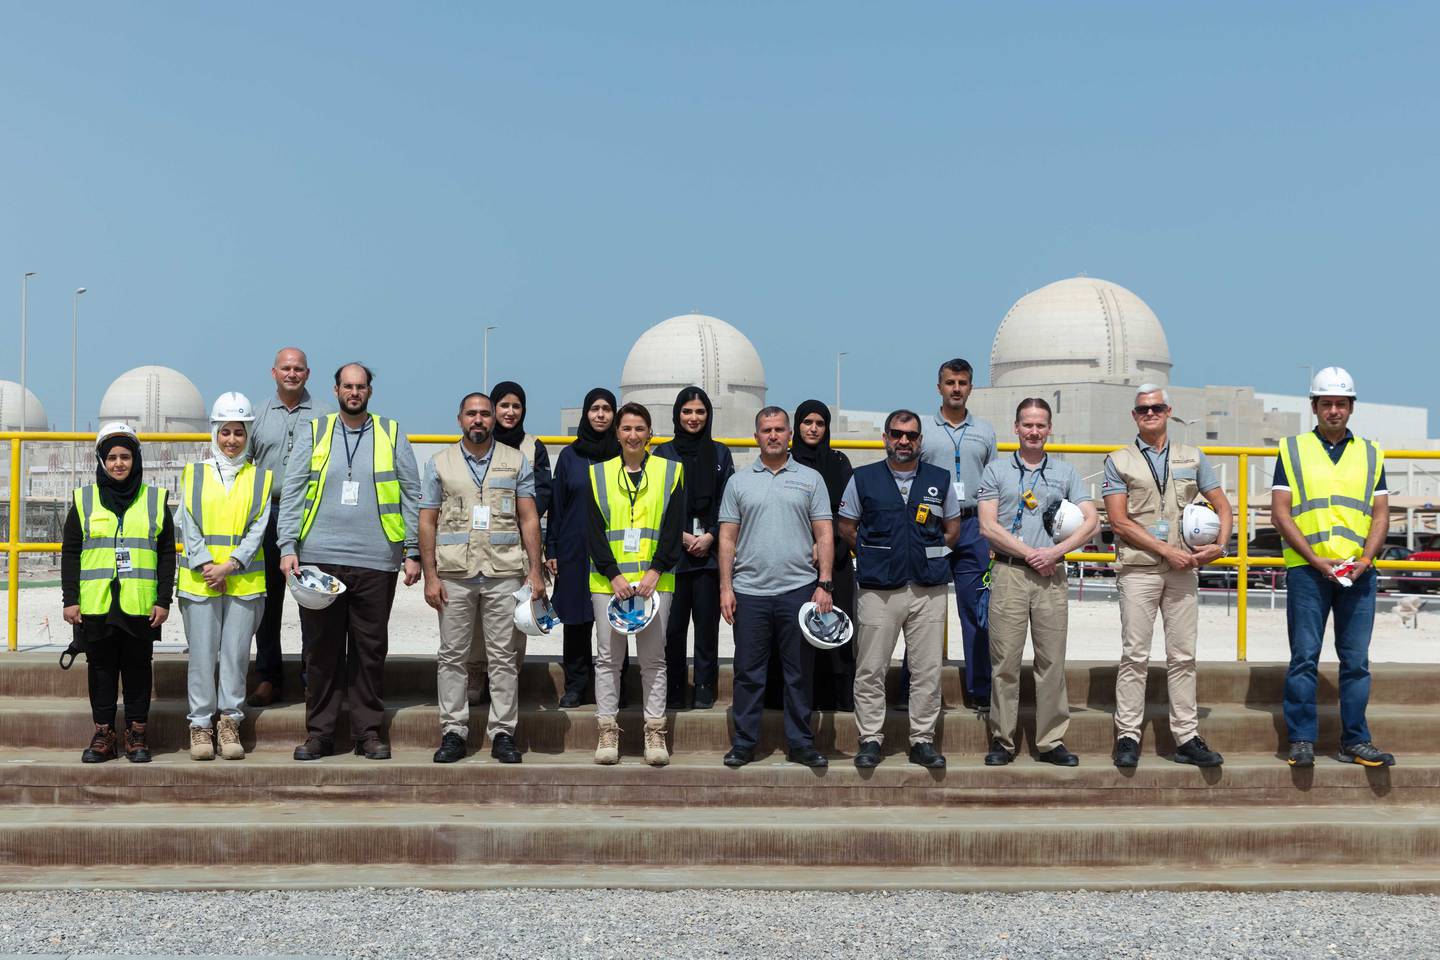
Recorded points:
(1161, 482)
(350, 454)
(1020, 506)
(479, 480)
(633, 492)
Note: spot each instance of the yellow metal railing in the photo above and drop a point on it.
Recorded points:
(13, 546)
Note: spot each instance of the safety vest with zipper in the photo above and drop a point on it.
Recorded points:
(137, 534)
(223, 516)
(625, 507)
(387, 484)
(1331, 502)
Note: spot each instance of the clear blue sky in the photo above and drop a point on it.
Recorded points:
(377, 182)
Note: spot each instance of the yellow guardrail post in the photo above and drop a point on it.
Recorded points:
(1242, 580)
(12, 574)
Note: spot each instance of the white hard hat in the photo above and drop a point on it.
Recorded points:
(631, 615)
(1065, 521)
(1199, 526)
(1332, 382)
(825, 631)
(314, 589)
(534, 618)
(230, 407)
(115, 428)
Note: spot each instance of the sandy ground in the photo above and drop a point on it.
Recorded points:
(1094, 630)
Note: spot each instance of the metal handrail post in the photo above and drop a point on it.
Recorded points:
(12, 577)
(1242, 585)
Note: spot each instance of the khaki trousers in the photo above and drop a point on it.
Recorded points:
(880, 615)
(1020, 598)
(610, 647)
(482, 613)
(1143, 592)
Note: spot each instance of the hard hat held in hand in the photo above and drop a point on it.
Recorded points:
(230, 407)
(1199, 526)
(825, 631)
(1063, 520)
(631, 615)
(314, 589)
(1332, 382)
(115, 428)
(534, 617)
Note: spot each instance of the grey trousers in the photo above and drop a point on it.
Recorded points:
(218, 630)
(610, 647)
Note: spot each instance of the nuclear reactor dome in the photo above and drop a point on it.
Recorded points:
(155, 400)
(700, 350)
(11, 415)
(1079, 330)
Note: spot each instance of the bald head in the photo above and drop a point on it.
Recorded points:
(290, 372)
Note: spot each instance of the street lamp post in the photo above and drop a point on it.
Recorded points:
(74, 371)
(1309, 375)
(837, 386)
(24, 388)
(485, 367)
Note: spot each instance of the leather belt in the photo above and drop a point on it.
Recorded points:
(967, 512)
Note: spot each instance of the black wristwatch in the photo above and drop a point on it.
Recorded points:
(827, 585)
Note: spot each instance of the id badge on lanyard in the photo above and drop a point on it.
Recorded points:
(480, 517)
(122, 560)
(631, 542)
(350, 493)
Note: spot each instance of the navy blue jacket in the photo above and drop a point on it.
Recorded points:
(893, 548)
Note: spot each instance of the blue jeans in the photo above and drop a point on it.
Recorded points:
(968, 564)
(1310, 599)
(758, 620)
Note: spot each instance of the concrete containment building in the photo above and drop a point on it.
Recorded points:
(17, 416)
(155, 400)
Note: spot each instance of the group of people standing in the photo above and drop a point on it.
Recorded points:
(677, 529)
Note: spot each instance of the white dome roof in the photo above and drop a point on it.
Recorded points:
(155, 400)
(700, 350)
(1080, 330)
(10, 413)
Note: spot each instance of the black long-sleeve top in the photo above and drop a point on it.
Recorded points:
(70, 546)
(667, 549)
(540, 464)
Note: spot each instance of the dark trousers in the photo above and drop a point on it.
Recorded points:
(1311, 598)
(578, 660)
(835, 669)
(968, 564)
(345, 662)
(758, 621)
(114, 654)
(268, 662)
(697, 597)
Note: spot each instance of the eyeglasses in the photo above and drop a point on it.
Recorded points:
(911, 435)
(1141, 409)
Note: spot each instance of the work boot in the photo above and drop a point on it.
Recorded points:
(102, 745)
(1197, 752)
(607, 751)
(655, 753)
(136, 749)
(202, 743)
(1127, 753)
(228, 733)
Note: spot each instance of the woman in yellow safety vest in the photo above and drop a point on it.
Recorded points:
(223, 509)
(637, 516)
(117, 575)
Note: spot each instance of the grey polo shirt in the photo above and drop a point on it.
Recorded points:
(963, 452)
(850, 499)
(1160, 463)
(432, 491)
(774, 511)
(1056, 480)
(273, 434)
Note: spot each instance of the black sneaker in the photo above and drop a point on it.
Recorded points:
(1197, 752)
(1367, 755)
(1302, 754)
(738, 757)
(1127, 752)
(869, 755)
(569, 700)
(998, 755)
(452, 748)
(807, 757)
(704, 697)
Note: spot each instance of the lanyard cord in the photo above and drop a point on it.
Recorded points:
(350, 454)
(470, 464)
(633, 493)
(1161, 482)
(1020, 506)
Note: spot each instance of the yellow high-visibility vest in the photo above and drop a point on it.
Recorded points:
(1330, 502)
(387, 485)
(223, 516)
(138, 534)
(611, 488)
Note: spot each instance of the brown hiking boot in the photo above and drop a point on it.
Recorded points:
(102, 745)
(607, 751)
(202, 743)
(227, 731)
(136, 749)
(655, 753)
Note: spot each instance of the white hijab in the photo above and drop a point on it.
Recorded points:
(228, 467)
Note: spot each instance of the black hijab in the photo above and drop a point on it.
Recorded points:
(117, 495)
(590, 443)
(697, 453)
(511, 436)
(819, 457)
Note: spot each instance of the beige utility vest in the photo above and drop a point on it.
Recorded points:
(462, 550)
(1144, 501)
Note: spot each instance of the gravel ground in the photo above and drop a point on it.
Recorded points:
(600, 924)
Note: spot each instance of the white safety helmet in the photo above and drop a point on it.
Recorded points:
(631, 615)
(1332, 382)
(534, 617)
(1065, 521)
(825, 631)
(115, 428)
(314, 589)
(231, 407)
(1199, 526)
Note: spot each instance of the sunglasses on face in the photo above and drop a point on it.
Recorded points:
(911, 435)
(1142, 409)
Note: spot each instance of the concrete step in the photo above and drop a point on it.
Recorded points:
(1090, 683)
(48, 777)
(308, 832)
(1409, 879)
(62, 723)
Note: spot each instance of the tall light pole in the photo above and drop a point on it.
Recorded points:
(837, 386)
(24, 389)
(74, 371)
(1309, 375)
(485, 368)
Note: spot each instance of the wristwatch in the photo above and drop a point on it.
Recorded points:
(827, 585)
(1224, 552)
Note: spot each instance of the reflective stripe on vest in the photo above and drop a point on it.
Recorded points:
(661, 478)
(1334, 523)
(387, 485)
(223, 516)
(102, 532)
